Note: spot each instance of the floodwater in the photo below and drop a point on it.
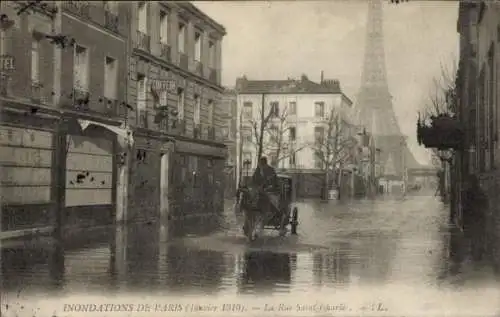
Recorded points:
(383, 257)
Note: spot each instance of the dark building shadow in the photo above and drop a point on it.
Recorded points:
(264, 271)
(34, 264)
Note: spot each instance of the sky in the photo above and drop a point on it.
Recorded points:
(281, 39)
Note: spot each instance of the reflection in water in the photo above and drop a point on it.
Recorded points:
(364, 245)
(333, 267)
(200, 270)
(265, 271)
(32, 266)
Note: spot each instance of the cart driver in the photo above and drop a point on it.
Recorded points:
(264, 175)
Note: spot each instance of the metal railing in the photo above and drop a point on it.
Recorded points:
(183, 61)
(198, 68)
(212, 75)
(81, 98)
(81, 8)
(36, 91)
(165, 52)
(142, 119)
(142, 41)
(197, 131)
(111, 21)
(211, 133)
(112, 108)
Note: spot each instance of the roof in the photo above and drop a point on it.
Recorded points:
(193, 9)
(300, 86)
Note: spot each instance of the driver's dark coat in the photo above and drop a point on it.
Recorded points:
(265, 176)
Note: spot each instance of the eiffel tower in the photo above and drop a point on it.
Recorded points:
(374, 102)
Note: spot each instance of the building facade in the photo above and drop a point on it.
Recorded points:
(60, 154)
(177, 164)
(298, 116)
(478, 101)
(230, 109)
(123, 100)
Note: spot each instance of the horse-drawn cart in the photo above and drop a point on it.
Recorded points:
(271, 210)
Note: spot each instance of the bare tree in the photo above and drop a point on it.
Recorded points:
(271, 135)
(441, 101)
(333, 148)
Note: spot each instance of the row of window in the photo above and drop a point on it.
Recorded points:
(273, 134)
(81, 70)
(319, 134)
(182, 39)
(273, 160)
(81, 81)
(291, 109)
(144, 91)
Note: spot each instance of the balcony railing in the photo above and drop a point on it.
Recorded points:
(165, 52)
(4, 83)
(211, 133)
(81, 8)
(112, 108)
(142, 41)
(183, 61)
(212, 75)
(81, 99)
(36, 91)
(142, 119)
(163, 125)
(111, 21)
(181, 126)
(197, 131)
(198, 68)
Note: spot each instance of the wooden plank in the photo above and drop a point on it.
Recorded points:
(23, 176)
(86, 162)
(84, 144)
(25, 195)
(95, 180)
(87, 197)
(25, 157)
(25, 137)
(200, 149)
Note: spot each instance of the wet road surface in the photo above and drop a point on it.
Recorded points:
(389, 250)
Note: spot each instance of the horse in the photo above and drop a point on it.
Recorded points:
(252, 203)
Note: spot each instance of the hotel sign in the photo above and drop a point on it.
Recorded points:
(169, 85)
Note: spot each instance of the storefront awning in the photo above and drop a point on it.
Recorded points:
(200, 149)
(124, 135)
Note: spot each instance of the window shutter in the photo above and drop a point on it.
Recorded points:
(47, 70)
(20, 50)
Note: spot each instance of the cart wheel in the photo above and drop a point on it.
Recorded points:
(294, 223)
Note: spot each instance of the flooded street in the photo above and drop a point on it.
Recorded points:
(386, 250)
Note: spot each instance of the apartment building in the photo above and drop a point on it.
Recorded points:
(27, 145)
(478, 101)
(174, 86)
(230, 109)
(93, 95)
(64, 110)
(304, 118)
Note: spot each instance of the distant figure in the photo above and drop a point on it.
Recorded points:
(264, 175)
(266, 180)
(474, 206)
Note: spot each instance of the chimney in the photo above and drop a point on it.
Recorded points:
(240, 83)
(322, 78)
